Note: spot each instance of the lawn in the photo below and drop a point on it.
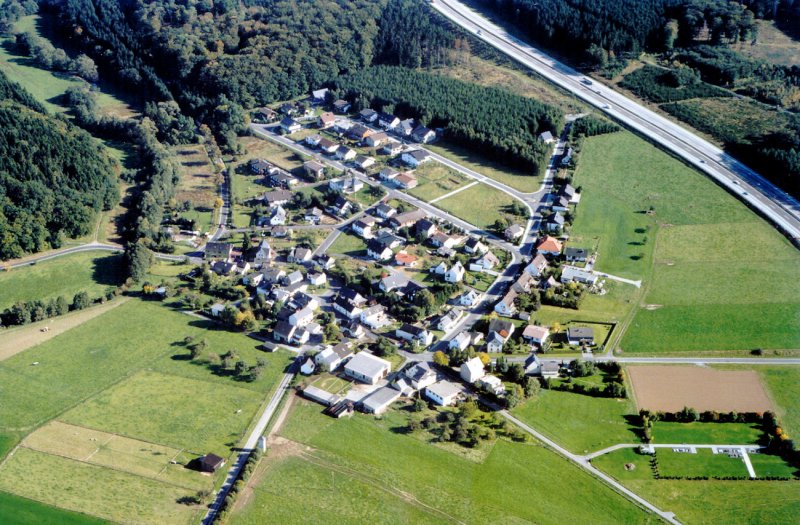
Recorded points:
(704, 463)
(374, 459)
(15, 510)
(106, 493)
(90, 272)
(701, 280)
(349, 244)
(783, 386)
(436, 179)
(706, 433)
(577, 422)
(522, 181)
(767, 465)
(480, 205)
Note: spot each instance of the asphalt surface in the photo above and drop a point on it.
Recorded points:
(772, 202)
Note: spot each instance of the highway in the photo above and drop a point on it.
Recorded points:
(772, 202)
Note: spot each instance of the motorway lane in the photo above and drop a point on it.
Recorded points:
(771, 201)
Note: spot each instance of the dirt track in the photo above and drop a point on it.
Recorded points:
(670, 388)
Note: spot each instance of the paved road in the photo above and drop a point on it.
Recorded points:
(775, 204)
(89, 247)
(251, 443)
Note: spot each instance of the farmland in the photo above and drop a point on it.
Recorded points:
(90, 272)
(197, 185)
(670, 388)
(21, 511)
(650, 217)
(783, 385)
(480, 205)
(423, 480)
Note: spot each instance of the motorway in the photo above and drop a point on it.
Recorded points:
(772, 202)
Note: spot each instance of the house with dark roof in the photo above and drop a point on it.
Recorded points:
(314, 169)
(580, 335)
(276, 198)
(576, 254)
(368, 115)
(413, 333)
(218, 250)
(378, 250)
(415, 157)
(385, 211)
(290, 125)
(210, 463)
(387, 120)
(341, 106)
(420, 375)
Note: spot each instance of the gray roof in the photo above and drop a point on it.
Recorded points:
(418, 371)
(380, 398)
(444, 389)
(367, 364)
(580, 332)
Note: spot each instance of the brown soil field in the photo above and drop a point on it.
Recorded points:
(670, 388)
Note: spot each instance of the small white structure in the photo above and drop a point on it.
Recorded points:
(367, 368)
(449, 320)
(472, 370)
(379, 401)
(468, 298)
(443, 393)
(573, 273)
(308, 367)
(491, 384)
(420, 375)
(455, 274)
(439, 269)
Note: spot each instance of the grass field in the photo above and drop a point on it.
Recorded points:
(349, 244)
(196, 185)
(15, 510)
(783, 386)
(704, 463)
(527, 182)
(480, 205)
(773, 45)
(371, 457)
(707, 502)
(435, 179)
(690, 261)
(768, 465)
(706, 433)
(106, 493)
(577, 422)
(90, 272)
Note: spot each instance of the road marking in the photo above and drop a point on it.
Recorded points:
(458, 190)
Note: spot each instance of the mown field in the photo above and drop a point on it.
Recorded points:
(374, 463)
(527, 182)
(480, 205)
(21, 511)
(783, 386)
(655, 219)
(137, 400)
(90, 272)
(435, 179)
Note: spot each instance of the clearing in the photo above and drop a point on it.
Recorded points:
(66, 275)
(772, 45)
(480, 205)
(671, 388)
(198, 185)
(436, 179)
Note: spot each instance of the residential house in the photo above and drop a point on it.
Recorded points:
(488, 261)
(363, 226)
(469, 298)
(549, 283)
(359, 132)
(549, 369)
(464, 340)
(406, 181)
(580, 275)
(403, 258)
(216, 309)
(313, 216)
(535, 334)
(348, 184)
(392, 147)
(374, 317)
(576, 254)
(253, 279)
(218, 250)
(455, 274)
(317, 279)
(475, 246)
(379, 401)
(283, 332)
(354, 329)
(449, 320)
(393, 281)
(260, 166)
(345, 153)
(506, 306)
(278, 216)
(273, 275)
(300, 255)
(352, 297)
(560, 203)
(415, 157)
(341, 106)
(280, 179)
(378, 251)
(444, 251)
(321, 396)
(411, 290)
(210, 463)
(439, 239)
(549, 246)
(513, 232)
(346, 308)
(546, 137)
(367, 368)
(376, 139)
(523, 283)
(495, 343)
(443, 393)
(265, 115)
(387, 120)
(502, 328)
(303, 300)
(308, 367)
(580, 335)
(439, 269)
(407, 219)
(491, 384)
(341, 207)
(413, 333)
(293, 278)
(318, 95)
(423, 134)
(280, 232)
(554, 223)
(405, 128)
(368, 115)
(314, 169)
(313, 140)
(327, 145)
(364, 162)
(265, 255)
(325, 262)
(326, 120)
(420, 375)
(472, 370)
(290, 125)
(425, 228)
(287, 108)
(570, 193)
(302, 317)
(276, 198)
(388, 174)
(537, 265)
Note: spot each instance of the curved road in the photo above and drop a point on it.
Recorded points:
(775, 204)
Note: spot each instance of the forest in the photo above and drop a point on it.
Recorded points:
(499, 124)
(54, 178)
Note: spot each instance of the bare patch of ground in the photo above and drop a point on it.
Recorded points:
(671, 388)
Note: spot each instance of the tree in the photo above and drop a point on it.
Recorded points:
(138, 260)
(441, 359)
(514, 396)
(81, 301)
(531, 386)
(419, 405)
(384, 347)
(241, 369)
(332, 333)
(516, 372)
(484, 357)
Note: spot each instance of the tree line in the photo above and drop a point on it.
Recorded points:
(499, 124)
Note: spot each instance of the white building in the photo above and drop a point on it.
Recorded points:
(455, 274)
(443, 393)
(472, 370)
(367, 368)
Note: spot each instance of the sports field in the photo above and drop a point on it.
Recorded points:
(90, 272)
(671, 388)
(651, 217)
(374, 463)
(480, 205)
